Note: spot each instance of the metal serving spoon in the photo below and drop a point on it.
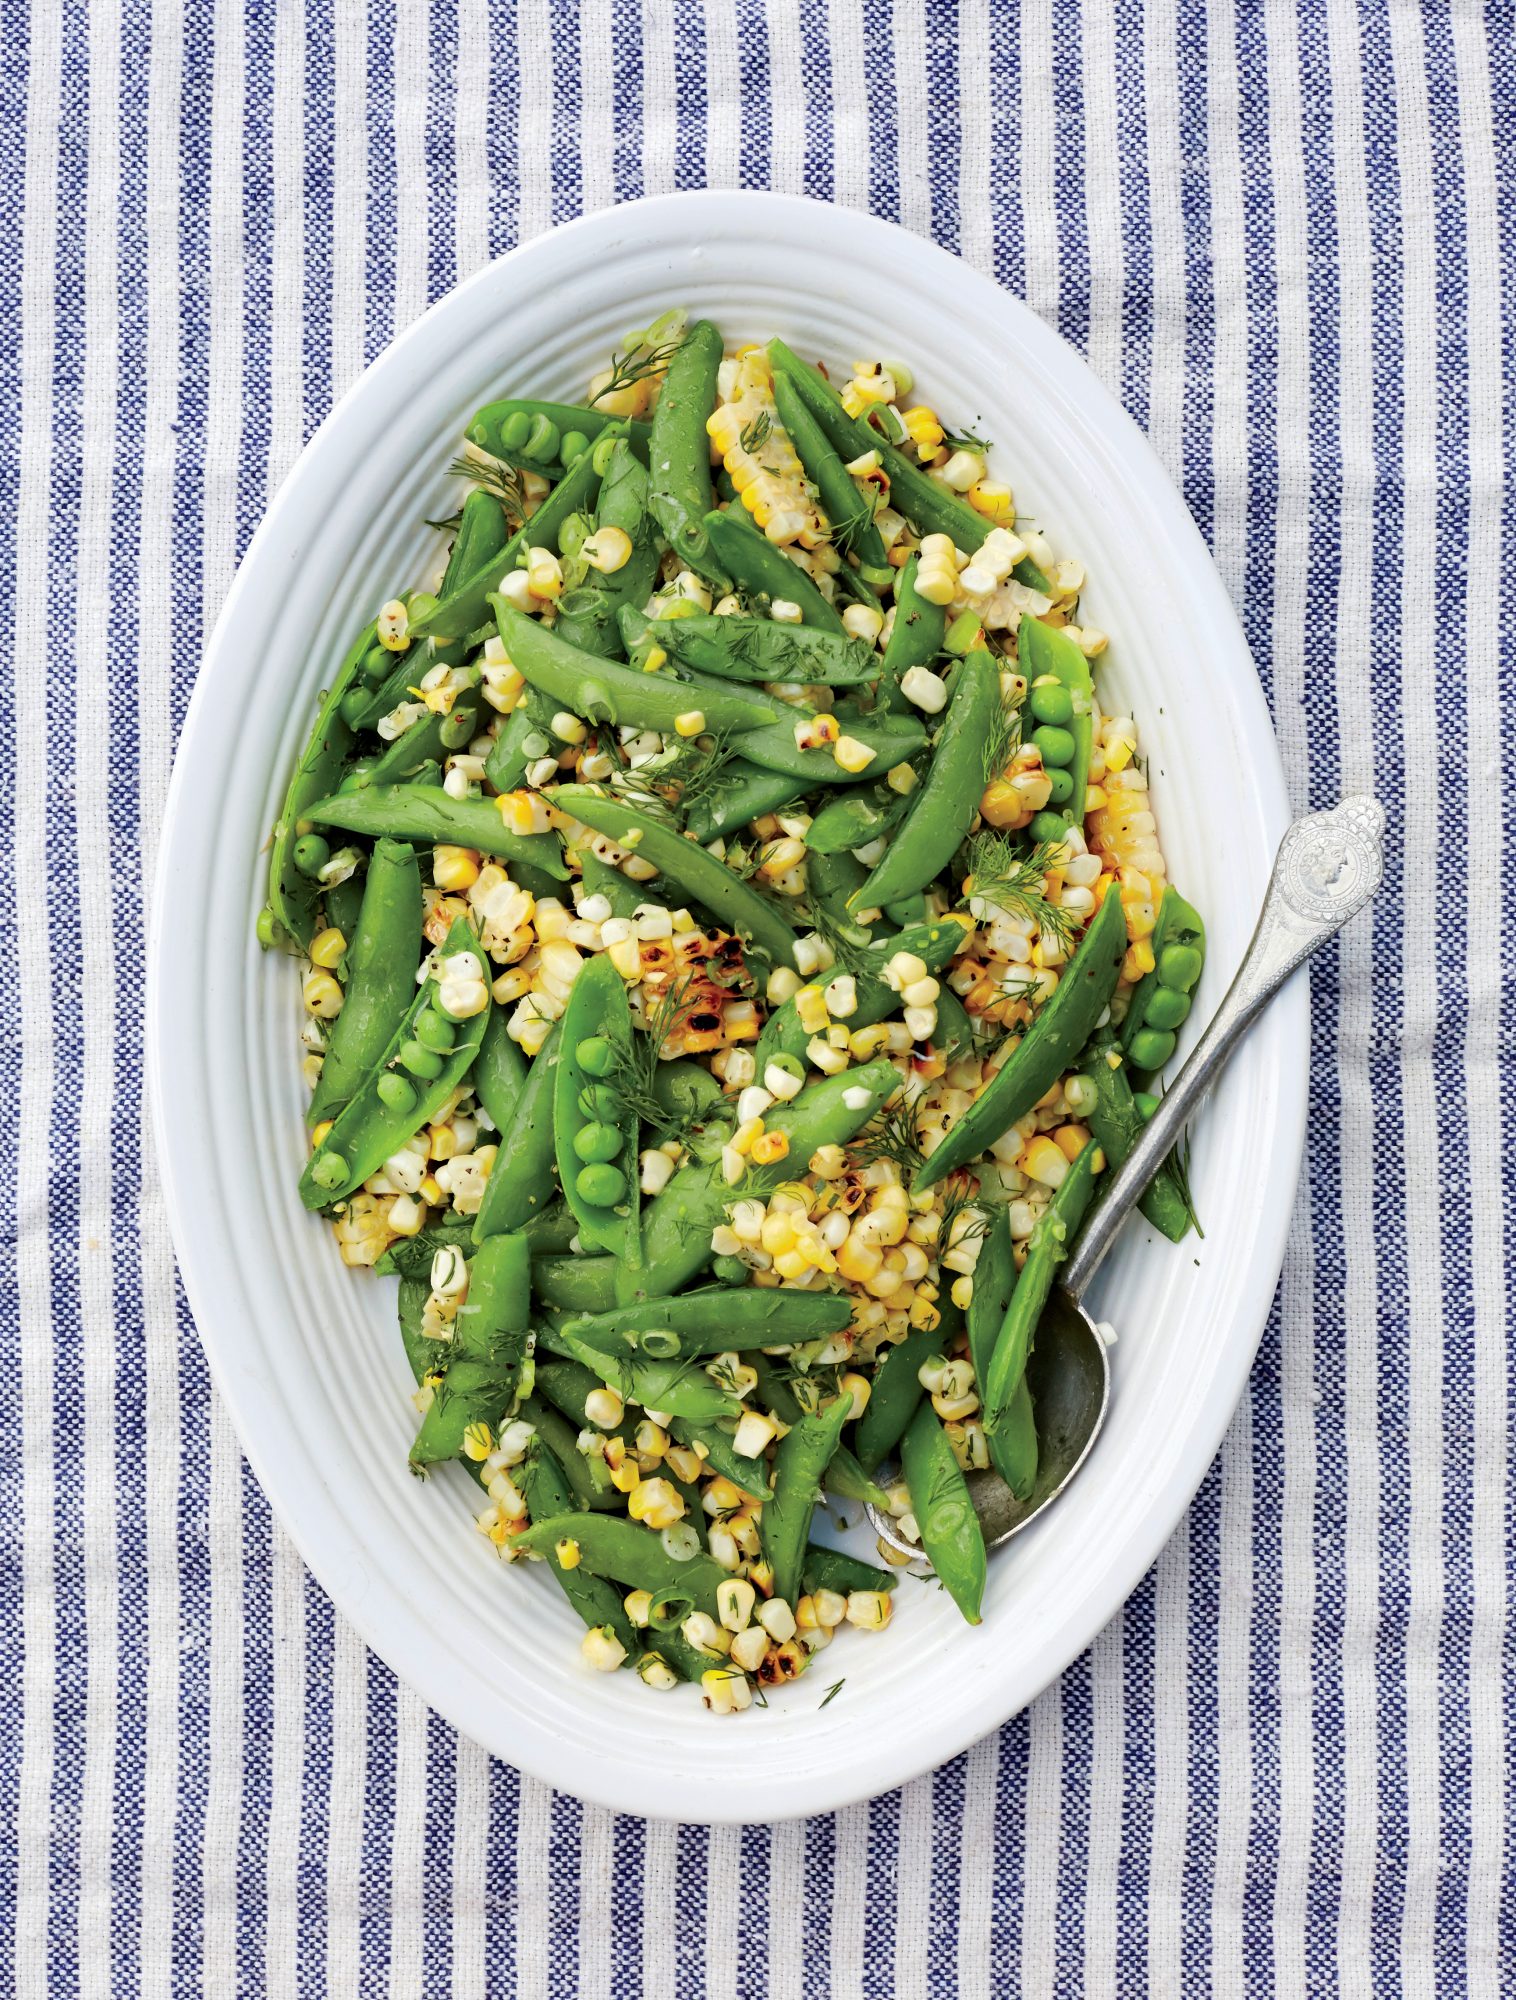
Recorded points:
(1328, 866)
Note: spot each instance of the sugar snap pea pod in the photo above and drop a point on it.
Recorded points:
(830, 880)
(679, 453)
(1160, 1002)
(341, 907)
(850, 515)
(525, 735)
(929, 507)
(1060, 702)
(422, 1352)
(567, 1385)
(587, 615)
(677, 1224)
(575, 1283)
(586, 1474)
(934, 943)
(757, 649)
(597, 1157)
(520, 1183)
(365, 706)
(427, 813)
(742, 793)
(680, 1387)
(411, 1256)
(1013, 1447)
(292, 893)
(845, 1477)
(482, 1379)
(834, 1569)
(467, 604)
(429, 738)
(488, 427)
(500, 1073)
(544, 1484)
(685, 1090)
(713, 1319)
(765, 573)
(894, 739)
(896, 1394)
(428, 1056)
(606, 691)
(950, 1531)
(381, 977)
(1117, 1123)
(915, 637)
(943, 805)
(1045, 1051)
(1049, 1245)
(749, 1474)
(627, 1553)
(850, 821)
(687, 867)
(482, 537)
(800, 1464)
(847, 1480)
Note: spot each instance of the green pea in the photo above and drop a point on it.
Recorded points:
(597, 1142)
(542, 439)
(354, 703)
(268, 928)
(434, 1030)
(600, 1184)
(396, 1093)
(377, 662)
(1056, 745)
(572, 445)
(1062, 783)
(595, 1055)
(729, 1271)
(1047, 826)
(420, 1060)
(515, 430)
(1050, 701)
(419, 604)
(1146, 1104)
(537, 745)
(457, 728)
(600, 453)
(330, 1171)
(356, 776)
(311, 854)
(1167, 1009)
(909, 910)
(1179, 966)
(599, 1102)
(1150, 1048)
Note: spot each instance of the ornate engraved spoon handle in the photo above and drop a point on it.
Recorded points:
(1328, 866)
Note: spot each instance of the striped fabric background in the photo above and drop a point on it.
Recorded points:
(1276, 230)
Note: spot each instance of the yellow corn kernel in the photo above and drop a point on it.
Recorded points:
(319, 1132)
(770, 1148)
(607, 550)
(851, 755)
(627, 1476)
(322, 995)
(455, 867)
(690, 723)
(327, 948)
(656, 658)
(657, 1503)
(478, 1442)
(869, 1610)
(1042, 1160)
(924, 430)
(859, 1260)
(1071, 1140)
(1002, 805)
(430, 1191)
(567, 1552)
(810, 1006)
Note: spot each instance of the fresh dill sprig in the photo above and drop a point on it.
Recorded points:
(448, 526)
(1001, 742)
(832, 1693)
(966, 441)
(634, 1074)
(636, 366)
(894, 1135)
(752, 436)
(976, 1209)
(1015, 880)
(847, 534)
(495, 477)
(1179, 1168)
(678, 779)
(848, 943)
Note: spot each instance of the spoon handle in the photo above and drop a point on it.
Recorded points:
(1328, 866)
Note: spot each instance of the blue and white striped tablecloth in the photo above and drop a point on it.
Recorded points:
(1277, 230)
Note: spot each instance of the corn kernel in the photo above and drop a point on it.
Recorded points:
(322, 996)
(690, 723)
(567, 1552)
(327, 948)
(851, 755)
(869, 1610)
(455, 868)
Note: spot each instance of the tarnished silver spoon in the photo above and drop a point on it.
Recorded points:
(1328, 866)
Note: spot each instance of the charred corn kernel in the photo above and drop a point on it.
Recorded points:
(869, 1610)
(1002, 805)
(455, 868)
(327, 948)
(690, 723)
(657, 1503)
(735, 1600)
(601, 1649)
(725, 1691)
(544, 573)
(851, 755)
(770, 1148)
(567, 1552)
(607, 550)
(604, 1408)
(322, 995)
